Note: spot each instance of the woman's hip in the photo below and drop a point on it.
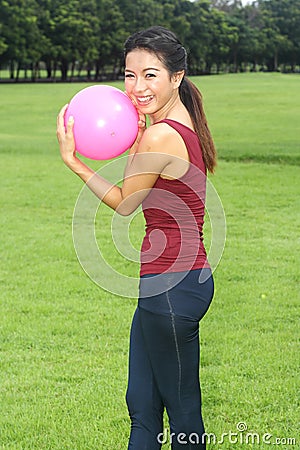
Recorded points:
(186, 294)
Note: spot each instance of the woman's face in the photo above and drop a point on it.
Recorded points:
(148, 82)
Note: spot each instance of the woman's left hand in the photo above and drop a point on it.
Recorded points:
(141, 125)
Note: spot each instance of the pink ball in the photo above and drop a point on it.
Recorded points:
(105, 122)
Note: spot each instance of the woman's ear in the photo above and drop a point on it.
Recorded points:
(177, 78)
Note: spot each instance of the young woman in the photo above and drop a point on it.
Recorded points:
(166, 173)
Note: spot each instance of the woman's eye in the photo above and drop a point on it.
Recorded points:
(150, 75)
(128, 75)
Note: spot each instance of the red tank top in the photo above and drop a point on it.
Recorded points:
(174, 214)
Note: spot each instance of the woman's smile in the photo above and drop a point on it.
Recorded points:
(144, 101)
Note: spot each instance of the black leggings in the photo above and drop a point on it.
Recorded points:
(164, 362)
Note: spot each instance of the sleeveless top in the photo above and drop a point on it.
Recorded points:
(174, 214)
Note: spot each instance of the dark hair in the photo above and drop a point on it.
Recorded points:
(167, 47)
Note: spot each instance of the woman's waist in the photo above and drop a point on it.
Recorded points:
(172, 249)
(175, 229)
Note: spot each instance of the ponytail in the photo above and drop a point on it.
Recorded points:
(191, 97)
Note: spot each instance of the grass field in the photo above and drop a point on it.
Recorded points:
(64, 341)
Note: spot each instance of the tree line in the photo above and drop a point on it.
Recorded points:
(67, 38)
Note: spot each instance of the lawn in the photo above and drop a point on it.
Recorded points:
(64, 340)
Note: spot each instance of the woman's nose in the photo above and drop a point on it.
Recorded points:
(139, 85)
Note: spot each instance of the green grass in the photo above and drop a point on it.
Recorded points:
(64, 341)
(254, 116)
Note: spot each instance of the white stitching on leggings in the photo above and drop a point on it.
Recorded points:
(176, 343)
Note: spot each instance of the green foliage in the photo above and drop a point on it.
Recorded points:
(220, 35)
(23, 39)
(285, 17)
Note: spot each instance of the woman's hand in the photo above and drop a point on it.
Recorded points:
(141, 125)
(141, 122)
(66, 138)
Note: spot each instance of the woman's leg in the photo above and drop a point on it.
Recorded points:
(170, 326)
(143, 399)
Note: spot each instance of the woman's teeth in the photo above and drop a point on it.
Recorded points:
(145, 99)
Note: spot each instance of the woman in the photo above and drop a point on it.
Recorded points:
(165, 172)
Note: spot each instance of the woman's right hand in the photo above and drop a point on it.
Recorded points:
(66, 137)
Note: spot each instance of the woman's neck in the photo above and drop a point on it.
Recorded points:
(169, 110)
(174, 110)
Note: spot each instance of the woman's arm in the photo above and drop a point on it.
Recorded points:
(144, 164)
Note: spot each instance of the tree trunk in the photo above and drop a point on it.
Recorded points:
(79, 69)
(49, 69)
(54, 70)
(18, 71)
(72, 69)
(12, 70)
(64, 70)
(34, 71)
(235, 63)
(89, 75)
(97, 70)
(276, 60)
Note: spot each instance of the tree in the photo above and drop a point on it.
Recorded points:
(73, 29)
(23, 39)
(285, 16)
(223, 35)
(77, 34)
(3, 44)
(110, 37)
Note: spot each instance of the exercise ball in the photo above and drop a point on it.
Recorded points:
(105, 122)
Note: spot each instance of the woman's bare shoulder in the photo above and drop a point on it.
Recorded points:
(160, 136)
